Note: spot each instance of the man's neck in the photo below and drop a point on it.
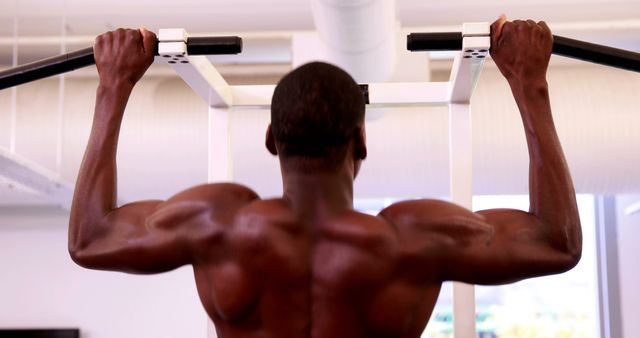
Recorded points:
(317, 194)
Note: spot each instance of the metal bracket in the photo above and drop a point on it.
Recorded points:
(476, 42)
(476, 29)
(196, 70)
(172, 44)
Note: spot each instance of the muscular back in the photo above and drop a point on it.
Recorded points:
(263, 270)
(345, 275)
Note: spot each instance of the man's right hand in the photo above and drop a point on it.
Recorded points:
(521, 49)
(124, 55)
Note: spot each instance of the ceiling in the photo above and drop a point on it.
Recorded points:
(40, 23)
(90, 17)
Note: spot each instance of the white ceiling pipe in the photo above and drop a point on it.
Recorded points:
(358, 35)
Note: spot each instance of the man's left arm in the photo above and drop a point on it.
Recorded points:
(503, 245)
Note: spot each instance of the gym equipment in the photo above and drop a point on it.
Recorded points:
(84, 57)
(572, 48)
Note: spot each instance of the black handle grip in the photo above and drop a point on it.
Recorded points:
(576, 49)
(218, 45)
(84, 57)
(418, 42)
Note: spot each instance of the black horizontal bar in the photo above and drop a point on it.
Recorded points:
(218, 45)
(48, 67)
(84, 57)
(576, 49)
(418, 42)
(600, 54)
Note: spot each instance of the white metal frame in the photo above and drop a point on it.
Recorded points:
(207, 82)
(36, 178)
(608, 271)
(27, 174)
(464, 77)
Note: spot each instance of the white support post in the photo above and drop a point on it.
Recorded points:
(464, 77)
(381, 95)
(468, 63)
(196, 70)
(403, 94)
(252, 96)
(36, 178)
(220, 160)
(460, 161)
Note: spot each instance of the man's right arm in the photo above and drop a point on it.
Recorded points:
(503, 245)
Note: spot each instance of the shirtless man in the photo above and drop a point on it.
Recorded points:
(306, 264)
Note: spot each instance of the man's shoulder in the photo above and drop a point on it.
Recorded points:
(407, 211)
(217, 192)
(216, 199)
(202, 204)
(441, 221)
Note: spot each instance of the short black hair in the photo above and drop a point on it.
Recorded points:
(315, 111)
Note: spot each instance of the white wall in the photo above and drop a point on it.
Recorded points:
(40, 287)
(163, 146)
(629, 265)
(163, 142)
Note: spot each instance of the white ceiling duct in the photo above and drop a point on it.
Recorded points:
(358, 35)
(632, 209)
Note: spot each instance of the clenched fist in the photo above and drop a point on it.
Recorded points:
(521, 49)
(123, 56)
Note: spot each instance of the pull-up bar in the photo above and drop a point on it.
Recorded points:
(576, 49)
(581, 50)
(84, 57)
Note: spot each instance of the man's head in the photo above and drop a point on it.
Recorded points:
(317, 116)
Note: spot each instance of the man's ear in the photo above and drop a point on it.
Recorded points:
(360, 143)
(270, 142)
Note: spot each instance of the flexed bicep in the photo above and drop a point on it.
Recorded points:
(157, 236)
(125, 240)
(490, 247)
